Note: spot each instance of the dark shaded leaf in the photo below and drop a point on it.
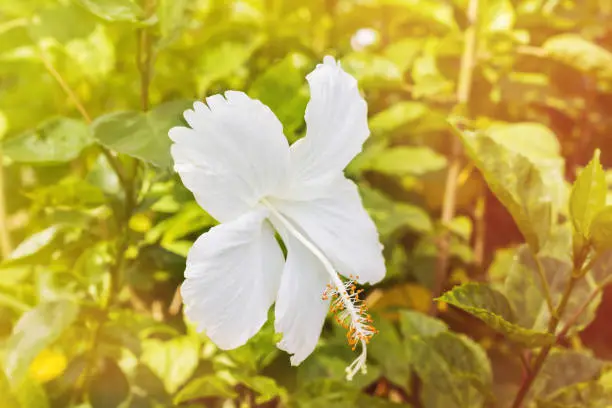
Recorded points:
(141, 135)
(493, 308)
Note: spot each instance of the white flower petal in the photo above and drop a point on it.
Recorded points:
(232, 278)
(337, 123)
(234, 155)
(300, 311)
(335, 221)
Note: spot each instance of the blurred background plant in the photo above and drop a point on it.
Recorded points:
(95, 226)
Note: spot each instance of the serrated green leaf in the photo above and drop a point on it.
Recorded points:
(493, 308)
(407, 160)
(588, 196)
(54, 141)
(517, 183)
(580, 54)
(141, 135)
(601, 229)
(35, 330)
(452, 364)
(206, 386)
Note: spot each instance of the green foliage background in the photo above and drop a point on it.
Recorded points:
(483, 113)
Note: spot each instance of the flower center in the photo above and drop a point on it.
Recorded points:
(351, 312)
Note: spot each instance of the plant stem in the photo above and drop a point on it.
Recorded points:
(69, 92)
(112, 160)
(574, 318)
(545, 285)
(144, 57)
(543, 354)
(464, 88)
(6, 246)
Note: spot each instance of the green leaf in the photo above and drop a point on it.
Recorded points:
(223, 59)
(452, 364)
(33, 244)
(588, 195)
(403, 53)
(31, 394)
(114, 10)
(517, 183)
(282, 88)
(141, 135)
(601, 229)
(581, 54)
(372, 71)
(35, 330)
(497, 15)
(5, 390)
(109, 386)
(415, 324)
(203, 387)
(564, 368)
(493, 308)
(54, 141)
(407, 160)
(588, 394)
(326, 392)
(173, 361)
(523, 287)
(388, 350)
(391, 216)
(61, 23)
(171, 15)
(397, 116)
(267, 388)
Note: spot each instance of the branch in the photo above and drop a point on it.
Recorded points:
(464, 88)
(574, 318)
(543, 354)
(6, 246)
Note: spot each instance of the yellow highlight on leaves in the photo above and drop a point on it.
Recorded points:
(406, 296)
(48, 365)
(140, 223)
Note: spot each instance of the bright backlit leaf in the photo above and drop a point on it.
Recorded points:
(588, 196)
(54, 141)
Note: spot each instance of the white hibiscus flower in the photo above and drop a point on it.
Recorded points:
(240, 168)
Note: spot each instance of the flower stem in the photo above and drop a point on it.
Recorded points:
(360, 362)
(464, 88)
